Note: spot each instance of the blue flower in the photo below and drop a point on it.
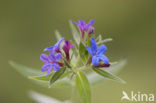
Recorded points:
(54, 48)
(85, 27)
(51, 62)
(97, 53)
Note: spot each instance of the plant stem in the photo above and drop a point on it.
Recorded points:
(85, 67)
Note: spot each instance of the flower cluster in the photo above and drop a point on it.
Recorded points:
(68, 66)
(55, 60)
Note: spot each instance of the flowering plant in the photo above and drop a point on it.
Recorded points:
(78, 63)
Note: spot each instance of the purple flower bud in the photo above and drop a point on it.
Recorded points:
(83, 27)
(91, 31)
(66, 47)
(103, 65)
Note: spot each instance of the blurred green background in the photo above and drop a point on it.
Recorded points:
(27, 27)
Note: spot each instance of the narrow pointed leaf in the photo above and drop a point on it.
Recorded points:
(66, 63)
(88, 40)
(99, 38)
(116, 68)
(25, 71)
(83, 53)
(58, 35)
(65, 82)
(83, 87)
(35, 75)
(104, 41)
(57, 75)
(108, 75)
(95, 78)
(42, 78)
(75, 33)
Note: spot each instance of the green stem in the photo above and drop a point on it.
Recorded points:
(85, 67)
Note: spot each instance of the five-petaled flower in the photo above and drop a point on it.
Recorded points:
(97, 53)
(66, 47)
(51, 62)
(54, 48)
(85, 27)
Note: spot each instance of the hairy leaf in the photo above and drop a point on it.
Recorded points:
(42, 78)
(65, 82)
(66, 63)
(83, 87)
(108, 75)
(95, 78)
(25, 71)
(58, 35)
(75, 33)
(104, 41)
(83, 53)
(99, 38)
(57, 75)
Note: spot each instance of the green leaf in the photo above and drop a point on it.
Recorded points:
(83, 87)
(75, 33)
(88, 40)
(83, 53)
(58, 35)
(25, 71)
(66, 63)
(38, 79)
(57, 75)
(95, 78)
(117, 67)
(62, 83)
(104, 41)
(43, 78)
(108, 75)
(59, 83)
(99, 38)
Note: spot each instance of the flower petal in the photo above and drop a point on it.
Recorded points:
(74, 22)
(49, 70)
(89, 50)
(58, 56)
(67, 43)
(55, 67)
(95, 60)
(72, 45)
(91, 22)
(81, 22)
(44, 58)
(93, 45)
(56, 46)
(46, 67)
(59, 42)
(104, 59)
(101, 49)
(48, 49)
(52, 57)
